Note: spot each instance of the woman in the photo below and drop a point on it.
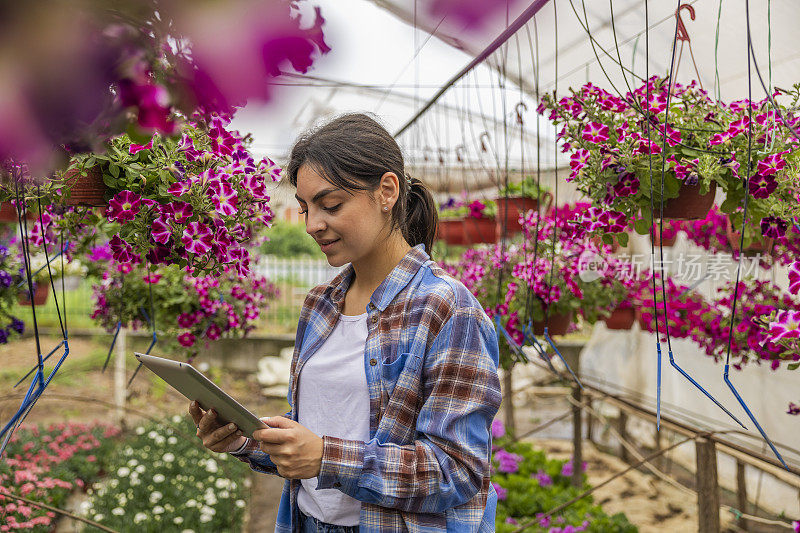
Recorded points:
(393, 382)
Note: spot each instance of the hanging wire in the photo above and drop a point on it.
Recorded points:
(151, 319)
(725, 374)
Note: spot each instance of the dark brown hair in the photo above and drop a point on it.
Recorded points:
(352, 152)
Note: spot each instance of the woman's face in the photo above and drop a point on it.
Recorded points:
(346, 224)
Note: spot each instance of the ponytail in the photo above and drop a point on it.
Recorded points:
(421, 216)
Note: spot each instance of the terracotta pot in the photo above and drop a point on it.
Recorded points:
(621, 318)
(39, 295)
(479, 230)
(451, 231)
(509, 210)
(690, 204)
(86, 190)
(556, 325)
(666, 243)
(8, 213)
(758, 246)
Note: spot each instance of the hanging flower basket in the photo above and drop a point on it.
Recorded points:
(8, 213)
(556, 324)
(758, 246)
(621, 318)
(451, 231)
(88, 190)
(509, 210)
(690, 205)
(479, 230)
(667, 242)
(40, 294)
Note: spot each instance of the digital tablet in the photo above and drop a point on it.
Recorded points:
(186, 379)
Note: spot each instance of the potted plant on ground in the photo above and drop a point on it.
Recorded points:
(517, 198)
(462, 223)
(703, 145)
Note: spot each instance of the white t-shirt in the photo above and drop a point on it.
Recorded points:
(333, 400)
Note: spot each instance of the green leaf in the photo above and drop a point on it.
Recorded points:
(109, 180)
(622, 238)
(114, 170)
(608, 238)
(641, 227)
(91, 162)
(794, 366)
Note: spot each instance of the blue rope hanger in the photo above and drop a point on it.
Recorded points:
(725, 374)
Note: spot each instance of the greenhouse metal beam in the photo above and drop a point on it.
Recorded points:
(502, 38)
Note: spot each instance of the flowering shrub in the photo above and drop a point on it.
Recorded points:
(527, 187)
(45, 465)
(188, 308)
(706, 142)
(162, 481)
(193, 201)
(684, 307)
(528, 484)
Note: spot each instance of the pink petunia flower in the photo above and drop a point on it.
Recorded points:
(181, 211)
(160, 231)
(121, 251)
(152, 278)
(794, 277)
(595, 132)
(179, 188)
(124, 206)
(186, 339)
(627, 184)
(197, 238)
(213, 332)
(785, 326)
(136, 148)
(498, 428)
(225, 199)
(771, 164)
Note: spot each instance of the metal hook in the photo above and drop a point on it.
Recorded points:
(484, 147)
(441, 155)
(459, 153)
(519, 113)
(683, 35)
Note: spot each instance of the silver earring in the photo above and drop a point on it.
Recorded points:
(385, 208)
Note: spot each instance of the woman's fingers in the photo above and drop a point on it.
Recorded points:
(195, 412)
(222, 437)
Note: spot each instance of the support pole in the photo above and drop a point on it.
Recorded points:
(707, 486)
(590, 424)
(741, 494)
(577, 438)
(623, 433)
(508, 400)
(120, 389)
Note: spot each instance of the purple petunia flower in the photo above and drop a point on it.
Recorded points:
(614, 221)
(794, 278)
(181, 211)
(213, 332)
(773, 227)
(785, 326)
(186, 320)
(186, 339)
(502, 493)
(225, 199)
(511, 521)
(543, 479)
(197, 238)
(771, 164)
(124, 206)
(5, 279)
(179, 188)
(762, 186)
(160, 231)
(498, 428)
(121, 251)
(595, 132)
(3, 335)
(627, 184)
(17, 325)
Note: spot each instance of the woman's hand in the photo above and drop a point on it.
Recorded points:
(215, 436)
(295, 450)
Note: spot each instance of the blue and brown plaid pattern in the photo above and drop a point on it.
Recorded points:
(431, 360)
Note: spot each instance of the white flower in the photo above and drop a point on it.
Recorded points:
(85, 507)
(155, 496)
(188, 531)
(118, 511)
(140, 469)
(224, 494)
(191, 503)
(221, 482)
(123, 472)
(172, 440)
(246, 483)
(176, 420)
(212, 467)
(239, 503)
(158, 509)
(211, 499)
(159, 440)
(168, 458)
(133, 462)
(178, 520)
(140, 430)
(114, 483)
(98, 517)
(135, 481)
(139, 517)
(152, 435)
(205, 518)
(207, 510)
(121, 499)
(159, 478)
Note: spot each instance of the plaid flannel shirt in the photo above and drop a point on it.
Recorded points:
(431, 360)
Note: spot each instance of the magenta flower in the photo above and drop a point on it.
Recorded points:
(498, 429)
(502, 493)
(578, 160)
(738, 126)
(197, 238)
(794, 409)
(773, 227)
(627, 184)
(160, 231)
(476, 209)
(136, 148)
(225, 199)
(543, 479)
(794, 278)
(186, 339)
(595, 132)
(511, 521)
(718, 138)
(213, 332)
(124, 206)
(121, 251)
(181, 211)
(186, 320)
(614, 221)
(771, 165)
(762, 186)
(152, 278)
(179, 188)
(785, 326)
(159, 255)
(509, 462)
